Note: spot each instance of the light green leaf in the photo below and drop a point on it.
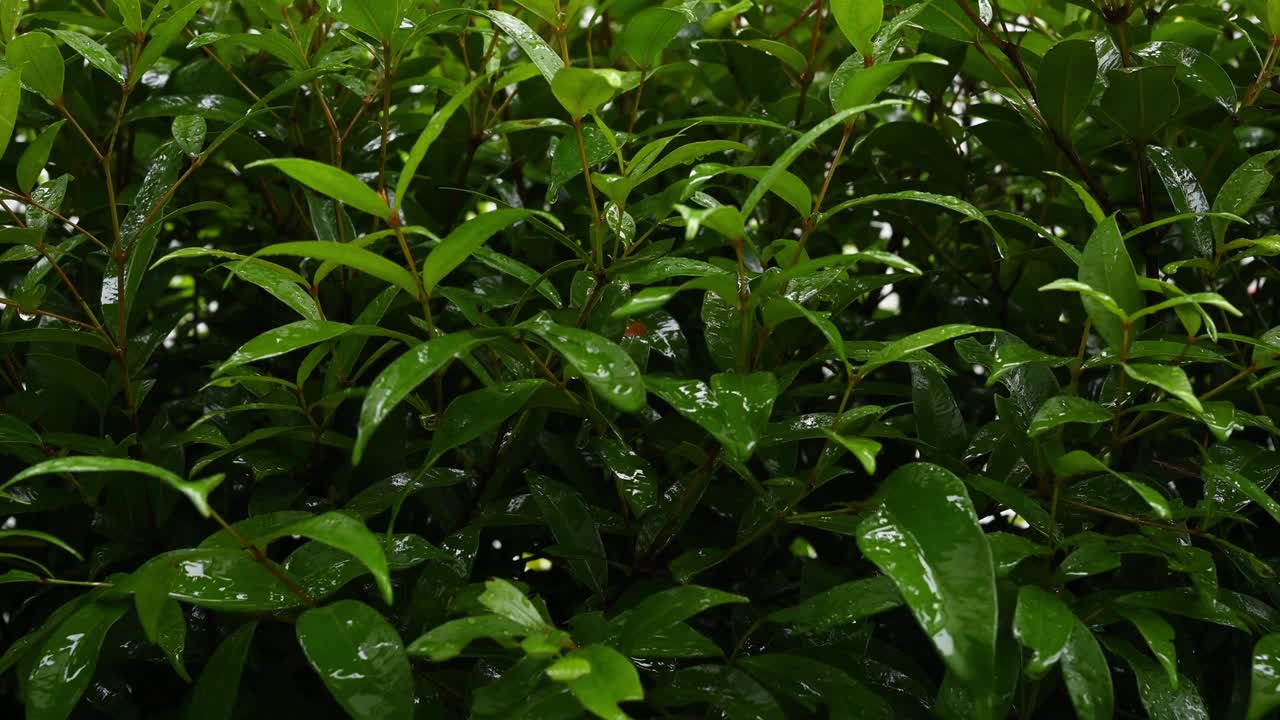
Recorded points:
(130, 13)
(463, 242)
(36, 56)
(1107, 268)
(583, 90)
(864, 85)
(612, 679)
(859, 20)
(647, 33)
(504, 599)
(284, 339)
(331, 181)
(450, 639)
(97, 55)
(1168, 378)
(349, 255)
(379, 19)
(10, 98)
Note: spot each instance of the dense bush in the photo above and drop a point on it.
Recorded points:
(769, 360)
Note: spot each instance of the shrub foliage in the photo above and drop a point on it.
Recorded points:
(761, 359)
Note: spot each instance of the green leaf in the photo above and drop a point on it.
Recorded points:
(429, 135)
(283, 339)
(804, 142)
(10, 98)
(226, 579)
(379, 19)
(925, 536)
(1140, 100)
(842, 604)
(68, 659)
(607, 368)
(1044, 625)
(545, 9)
(130, 13)
(812, 683)
(1187, 196)
(505, 600)
(403, 375)
(466, 239)
(34, 157)
(735, 408)
(1159, 635)
(36, 56)
(859, 20)
(864, 85)
(1245, 487)
(1065, 82)
(472, 415)
(1168, 378)
(1194, 68)
(1088, 679)
(582, 90)
(665, 609)
(864, 449)
(1079, 462)
(97, 55)
(217, 688)
(360, 658)
(898, 349)
(331, 181)
(41, 536)
(548, 62)
(349, 256)
(938, 419)
(346, 533)
(1243, 188)
(450, 639)
(569, 518)
(162, 36)
(647, 33)
(1107, 268)
(1264, 689)
(188, 132)
(1161, 700)
(612, 679)
(196, 491)
(1063, 409)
